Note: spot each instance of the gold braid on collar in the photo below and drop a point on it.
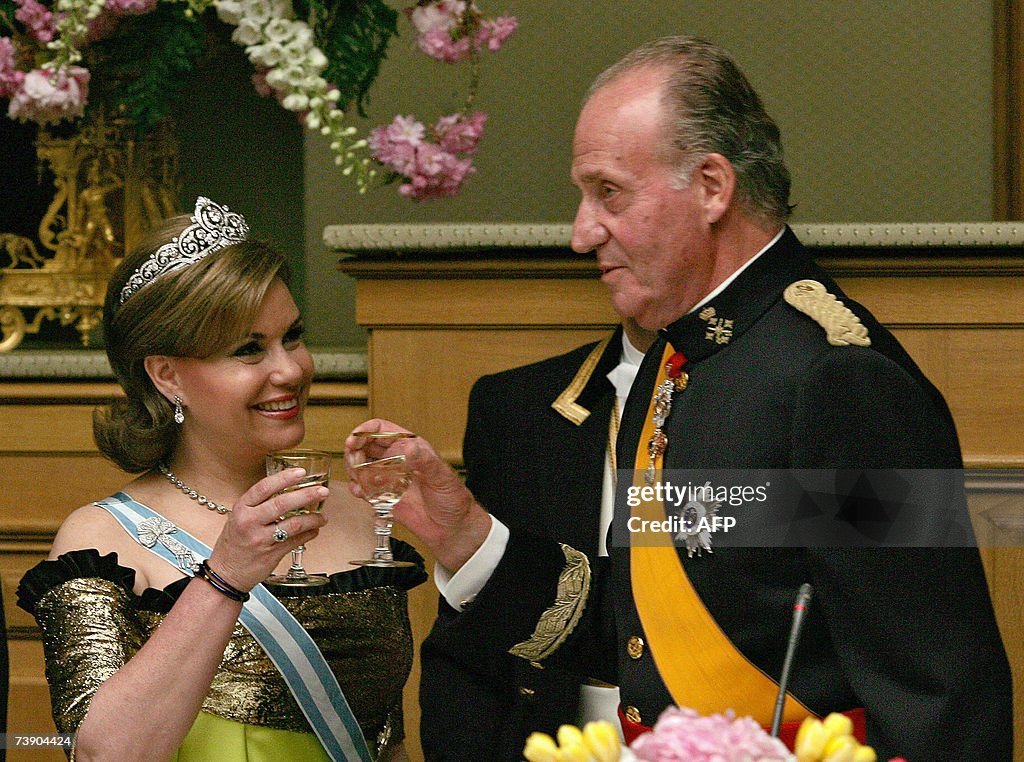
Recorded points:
(565, 403)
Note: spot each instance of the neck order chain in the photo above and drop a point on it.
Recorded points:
(201, 499)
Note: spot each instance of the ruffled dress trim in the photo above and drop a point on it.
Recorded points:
(88, 563)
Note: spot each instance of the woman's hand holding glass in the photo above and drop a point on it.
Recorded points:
(317, 465)
(247, 552)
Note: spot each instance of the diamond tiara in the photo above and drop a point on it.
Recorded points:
(213, 227)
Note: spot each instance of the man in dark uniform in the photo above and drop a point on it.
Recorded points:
(761, 363)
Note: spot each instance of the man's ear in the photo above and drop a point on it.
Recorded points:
(163, 375)
(716, 178)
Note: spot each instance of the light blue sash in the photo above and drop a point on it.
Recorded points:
(286, 642)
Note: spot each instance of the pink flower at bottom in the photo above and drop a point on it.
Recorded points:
(682, 735)
(49, 96)
(436, 174)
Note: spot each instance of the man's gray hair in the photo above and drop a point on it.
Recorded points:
(714, 109)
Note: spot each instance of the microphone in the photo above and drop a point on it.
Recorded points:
(803, 599)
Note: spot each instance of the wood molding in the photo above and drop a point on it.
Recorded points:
(1008, 109)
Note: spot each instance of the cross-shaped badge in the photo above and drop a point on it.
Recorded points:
(719, 330)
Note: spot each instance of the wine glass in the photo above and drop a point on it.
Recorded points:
(318, 472)
(383, 482)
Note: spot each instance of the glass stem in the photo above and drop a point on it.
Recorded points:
(382, 531)
(296, 570)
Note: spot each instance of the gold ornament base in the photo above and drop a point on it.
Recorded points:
(111, 187)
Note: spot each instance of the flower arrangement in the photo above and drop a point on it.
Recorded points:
(682, 735)
(131, 58)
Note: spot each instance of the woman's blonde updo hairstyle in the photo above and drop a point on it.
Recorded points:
(196, 311)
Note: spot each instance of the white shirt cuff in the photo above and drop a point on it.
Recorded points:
(460, 589)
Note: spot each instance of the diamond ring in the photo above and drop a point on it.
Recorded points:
(280, 535)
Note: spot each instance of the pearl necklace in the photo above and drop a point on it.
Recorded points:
(201, 499)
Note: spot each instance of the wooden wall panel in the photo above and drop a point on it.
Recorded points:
(980, 371)
(29, 708)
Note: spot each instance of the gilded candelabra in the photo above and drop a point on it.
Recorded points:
(110, 187)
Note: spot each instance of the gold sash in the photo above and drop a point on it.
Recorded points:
(698, 663)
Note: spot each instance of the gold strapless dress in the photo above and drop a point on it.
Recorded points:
(92, 623)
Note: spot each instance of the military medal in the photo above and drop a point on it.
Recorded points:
(676, 381)
(694, 521)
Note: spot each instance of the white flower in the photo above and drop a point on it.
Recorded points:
(280, 30)
(248, 32)
(266, 55)
(229, 11)
(303, 35)
(277, 79)
(295, 102)
(317, 60)
(282, 9)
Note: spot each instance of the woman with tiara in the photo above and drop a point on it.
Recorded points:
(161, 639)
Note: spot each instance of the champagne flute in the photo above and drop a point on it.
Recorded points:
(383, 482)
(318, 472)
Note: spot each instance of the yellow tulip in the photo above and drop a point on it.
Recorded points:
(840, 749)
(540, 747)
(573, 751)
(569, 735)
(810, 740)
(603, 740)
(865, 754)
(838, 725)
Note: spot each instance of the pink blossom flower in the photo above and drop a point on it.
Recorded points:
(453, 30)
(494, 32)
(397, 155)
(10, 77)
(405, 129)
(433, 168)
(130, 7)
(37, 19)
(441, 14)
(681, 735)
(458, 134)
(439, 44)
(436, 174)
(46, 96)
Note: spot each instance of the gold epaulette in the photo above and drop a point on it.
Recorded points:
(842, 327)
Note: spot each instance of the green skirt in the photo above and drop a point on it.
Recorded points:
(213, 737)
